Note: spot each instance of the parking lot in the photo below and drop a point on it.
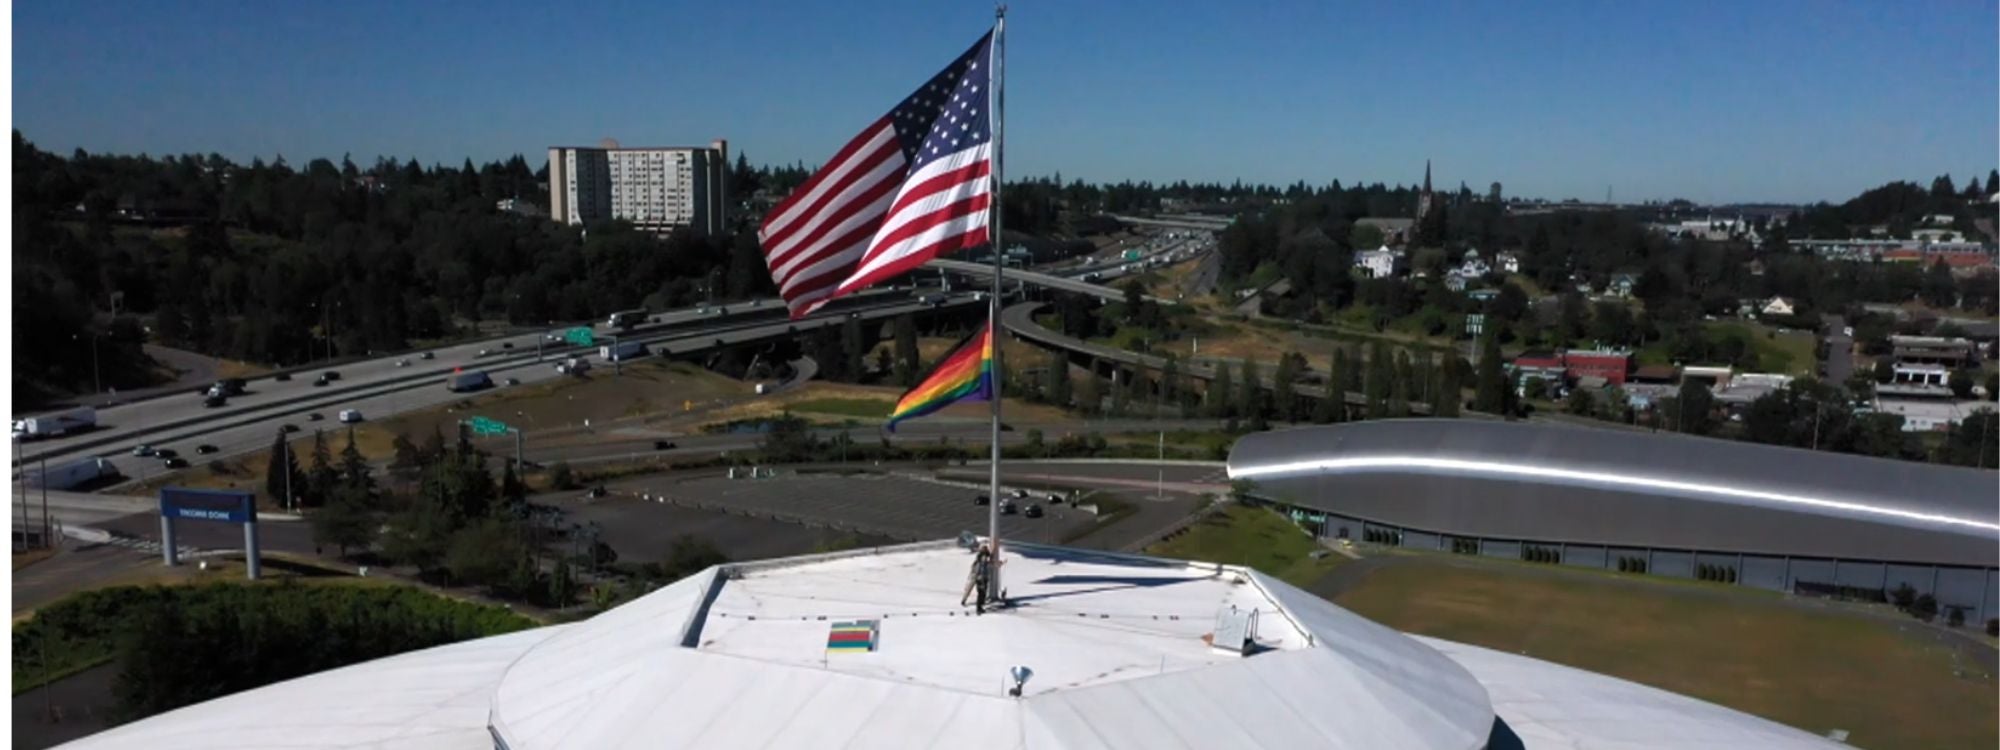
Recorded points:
(905, 509)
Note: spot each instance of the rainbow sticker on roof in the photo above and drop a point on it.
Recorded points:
(856, 637)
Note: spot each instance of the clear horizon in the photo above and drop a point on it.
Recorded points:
(1783, 102)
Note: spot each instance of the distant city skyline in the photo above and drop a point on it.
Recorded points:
(1780, 101)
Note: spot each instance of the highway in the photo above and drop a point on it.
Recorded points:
(123, 424)
(182, 423)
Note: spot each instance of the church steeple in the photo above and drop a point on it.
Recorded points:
(1427, 176)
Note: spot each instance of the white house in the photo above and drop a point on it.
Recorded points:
(1509, 262)
(1378, 264)
(1778, 306)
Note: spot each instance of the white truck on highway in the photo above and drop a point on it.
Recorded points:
(621, 352)
(70, 475)
(56, 424)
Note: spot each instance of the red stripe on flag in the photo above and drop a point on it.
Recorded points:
(846, 152)
(835, 206)
(942, 182)
(971, 239)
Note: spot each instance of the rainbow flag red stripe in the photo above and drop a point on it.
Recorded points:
(966, 375)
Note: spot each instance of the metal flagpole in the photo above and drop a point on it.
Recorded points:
(996, 104)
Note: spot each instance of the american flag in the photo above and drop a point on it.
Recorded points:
(913, 185)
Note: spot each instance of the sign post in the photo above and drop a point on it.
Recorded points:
(209, 505)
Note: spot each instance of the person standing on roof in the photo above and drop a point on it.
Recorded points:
(980, 575)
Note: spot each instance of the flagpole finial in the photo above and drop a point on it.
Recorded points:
(999, 10)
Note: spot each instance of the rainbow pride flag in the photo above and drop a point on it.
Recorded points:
(966, 375)
(858, 636)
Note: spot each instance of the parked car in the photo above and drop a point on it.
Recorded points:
(205, 449)
(176, 463)
(350, 416)
(1007, 508)
(142, 450)
(1055, 498)
(1034, 511)
(981, 500)
(314, 417)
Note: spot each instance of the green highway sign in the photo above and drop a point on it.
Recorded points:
(484, 426)
(580, 337)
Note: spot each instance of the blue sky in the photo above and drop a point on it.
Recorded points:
(1709, 100)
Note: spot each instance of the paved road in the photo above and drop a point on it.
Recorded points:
(118, 424)
(251, 427)
(76, 567)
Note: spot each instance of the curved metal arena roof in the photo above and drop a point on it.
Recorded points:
(1554, 483)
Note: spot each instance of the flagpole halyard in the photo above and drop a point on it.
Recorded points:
(996, 103)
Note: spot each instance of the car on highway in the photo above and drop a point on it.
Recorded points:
(664, 445)
(1007, 508)
(330, 375)
(283, 377)
(513, 381)
(321, 381)
(175, 463)
(1020, 494)
(1055, 498)
(403, 363)
(288, 428)
(1033, 511)
(314, 417)
(427, 355)
(350, 416)
(142, 450)
(506, 344)
(166, 453)
(214, 400)
(205, 449)
(981, 500)
(486, 352)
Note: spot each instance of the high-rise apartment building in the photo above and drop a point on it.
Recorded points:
(656, 189)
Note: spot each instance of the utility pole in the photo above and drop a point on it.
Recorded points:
(18, 461)
(1160, 484)
(290, 504)
(47, 540)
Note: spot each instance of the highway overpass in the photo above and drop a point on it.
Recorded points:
(1178, 221)
(1020, 320)
(386, 389)
(984, 273)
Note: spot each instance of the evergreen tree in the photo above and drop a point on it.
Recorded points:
(322, 478)
(1284, 398)
(433, 450)
(345, 523)
(284, 464)
(408, 458)
(513, 493)
(1328, 410)
(1450, 388)
(353, 467)
(1251, 392)
(1491, 395)
(1381, 373)
(1992, 182)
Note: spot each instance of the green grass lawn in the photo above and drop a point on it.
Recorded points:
(1789, 353)
(1890, 684)
(1255, 537)
(852, 407)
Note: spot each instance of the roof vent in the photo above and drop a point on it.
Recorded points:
(1235, 630)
